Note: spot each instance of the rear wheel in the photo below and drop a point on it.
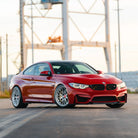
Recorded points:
(16, 98)
(61, 97)
(118, 105)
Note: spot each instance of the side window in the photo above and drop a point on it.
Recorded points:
(41, 67)
(56, 68)
(30, 70)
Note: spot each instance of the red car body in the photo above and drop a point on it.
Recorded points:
(103, 89)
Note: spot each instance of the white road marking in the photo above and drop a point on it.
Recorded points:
(12, 122)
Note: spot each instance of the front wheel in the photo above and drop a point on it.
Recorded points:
(118, 105)
(61, 97)
(16, 98)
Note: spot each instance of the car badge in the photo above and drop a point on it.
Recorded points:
(104, 83)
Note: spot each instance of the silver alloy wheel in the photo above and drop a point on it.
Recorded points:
(16, 96)
(61, 97)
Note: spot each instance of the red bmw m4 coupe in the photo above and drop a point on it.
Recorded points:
(66, 83)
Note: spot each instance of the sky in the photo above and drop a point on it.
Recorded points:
(9, 23)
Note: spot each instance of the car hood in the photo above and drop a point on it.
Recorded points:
(88, 78)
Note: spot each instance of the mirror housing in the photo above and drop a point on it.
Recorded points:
(45, 73)
(100, 72)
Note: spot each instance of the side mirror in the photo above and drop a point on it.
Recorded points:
(45, 73)
(99, 72)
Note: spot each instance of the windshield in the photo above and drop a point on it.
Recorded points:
(72, 68)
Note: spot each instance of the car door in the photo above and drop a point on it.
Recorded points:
(42, 86)
(27, 81)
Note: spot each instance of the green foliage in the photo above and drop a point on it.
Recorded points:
(5, 94)
(131, 92)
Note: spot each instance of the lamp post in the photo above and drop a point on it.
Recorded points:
(118, 15)
(1, 64)
(115, 61)
(7, 81)
(32, 31)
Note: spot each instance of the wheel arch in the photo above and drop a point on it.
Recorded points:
(13, 88)
(71, 96)
(18, 94)
(59, 85)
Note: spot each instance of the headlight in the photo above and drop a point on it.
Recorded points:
(121, 85)
(78, 86)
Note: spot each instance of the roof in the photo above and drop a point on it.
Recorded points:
(59, 61)
(63, 61)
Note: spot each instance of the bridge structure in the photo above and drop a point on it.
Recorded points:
(40, 10)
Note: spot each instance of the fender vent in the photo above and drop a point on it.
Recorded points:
(122, 98)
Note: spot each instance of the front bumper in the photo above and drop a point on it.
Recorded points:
(89, 96)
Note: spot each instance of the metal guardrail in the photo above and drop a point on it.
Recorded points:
(130, 78)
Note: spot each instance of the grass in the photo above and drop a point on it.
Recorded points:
(5, 94)
(131, 92)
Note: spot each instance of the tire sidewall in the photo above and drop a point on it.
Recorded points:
(20, 98)
(118, 105)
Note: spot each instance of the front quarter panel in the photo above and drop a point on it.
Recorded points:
(88, 92)
(14, 82)
(17, 81)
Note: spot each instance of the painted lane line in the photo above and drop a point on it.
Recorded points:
(12, 124)
(16, 116)
(12, 118)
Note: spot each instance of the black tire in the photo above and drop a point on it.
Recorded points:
(118, 105)
(16, 97)
(61, 97)
(71, 105)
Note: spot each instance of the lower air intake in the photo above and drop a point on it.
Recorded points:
(82, 99)
(122, 98)
(104, 98)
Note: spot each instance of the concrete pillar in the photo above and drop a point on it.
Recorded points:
(68, 50)
(107, 50)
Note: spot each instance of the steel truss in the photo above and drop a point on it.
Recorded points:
(66, 46)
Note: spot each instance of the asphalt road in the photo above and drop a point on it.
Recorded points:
(48, 121)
